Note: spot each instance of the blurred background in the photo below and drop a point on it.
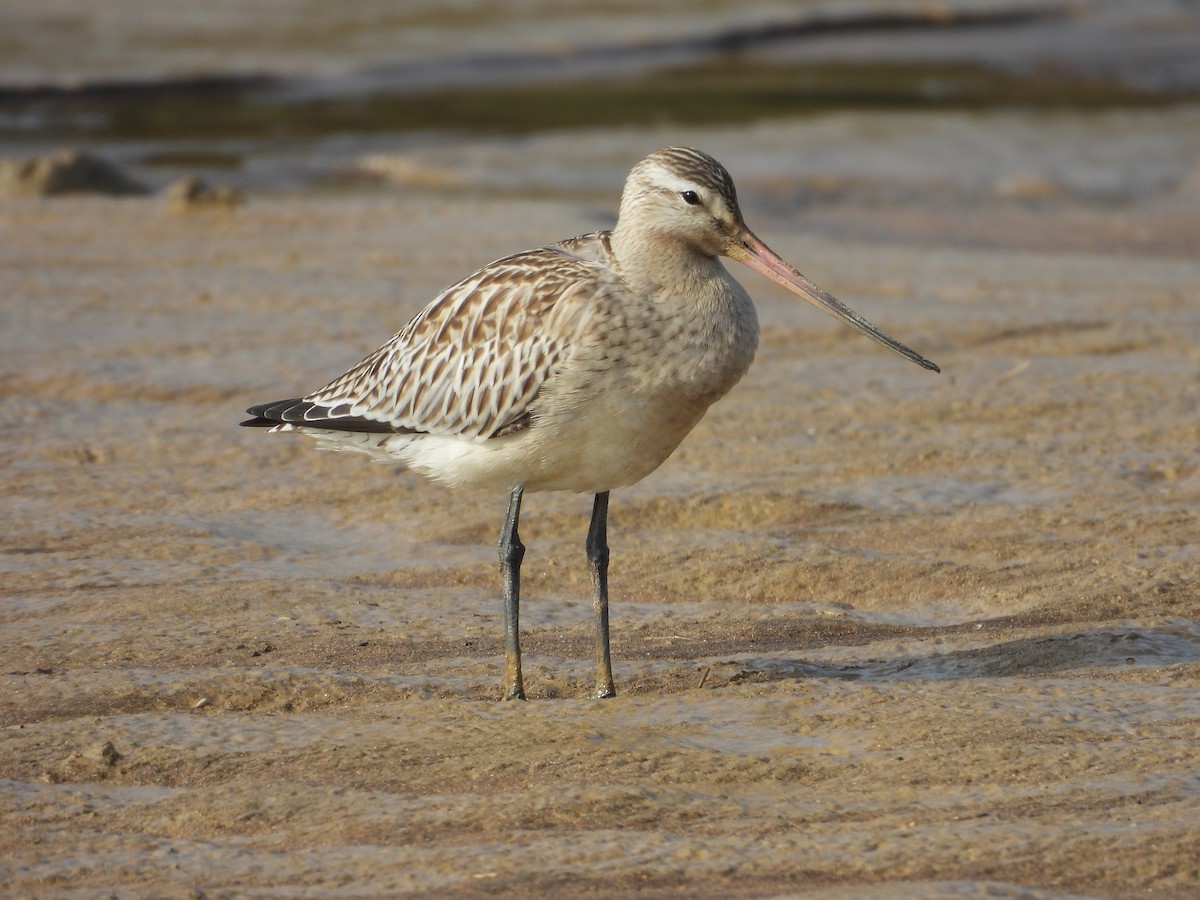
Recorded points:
(541, 96)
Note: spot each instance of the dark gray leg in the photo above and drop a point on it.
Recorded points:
(597, 554)
(511, 553)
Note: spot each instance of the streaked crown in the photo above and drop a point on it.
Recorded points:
(684, 194)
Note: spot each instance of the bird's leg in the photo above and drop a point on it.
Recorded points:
(511, 553)
(597, 554)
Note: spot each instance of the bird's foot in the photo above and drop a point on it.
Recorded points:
(514, 692)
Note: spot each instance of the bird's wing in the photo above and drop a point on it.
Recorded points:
(471, 363)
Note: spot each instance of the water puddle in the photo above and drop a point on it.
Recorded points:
(750, 729)
(934, 493)
(938, 890)
(54, 801)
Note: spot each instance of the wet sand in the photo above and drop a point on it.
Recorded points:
(876, 632)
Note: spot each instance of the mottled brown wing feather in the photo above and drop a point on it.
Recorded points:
(471, 363)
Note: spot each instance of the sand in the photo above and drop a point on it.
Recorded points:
(877, 632)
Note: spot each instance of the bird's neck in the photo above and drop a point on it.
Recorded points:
(654, 264)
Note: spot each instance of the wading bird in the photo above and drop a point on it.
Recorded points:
(579, 366)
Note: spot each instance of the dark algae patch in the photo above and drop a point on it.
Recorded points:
(717, 92)
(722, 77)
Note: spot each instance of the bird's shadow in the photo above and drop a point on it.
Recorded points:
(1132, 646)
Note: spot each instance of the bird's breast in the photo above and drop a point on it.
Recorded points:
(706, 343)
(637, 383)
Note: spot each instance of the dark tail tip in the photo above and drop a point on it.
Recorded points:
(268, 415)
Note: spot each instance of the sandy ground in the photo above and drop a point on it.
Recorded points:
(877, 632)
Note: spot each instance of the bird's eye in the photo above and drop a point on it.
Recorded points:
(691, 198)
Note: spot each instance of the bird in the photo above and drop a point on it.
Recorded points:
(579, 366)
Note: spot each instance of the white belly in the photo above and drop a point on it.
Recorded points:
(602, 445)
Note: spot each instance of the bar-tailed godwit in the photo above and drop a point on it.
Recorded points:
(579, 366)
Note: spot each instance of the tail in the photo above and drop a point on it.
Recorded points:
(268, 415)
(310, 415)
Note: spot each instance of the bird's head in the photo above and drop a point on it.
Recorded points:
(682, 196)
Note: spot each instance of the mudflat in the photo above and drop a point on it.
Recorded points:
(876, 632)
